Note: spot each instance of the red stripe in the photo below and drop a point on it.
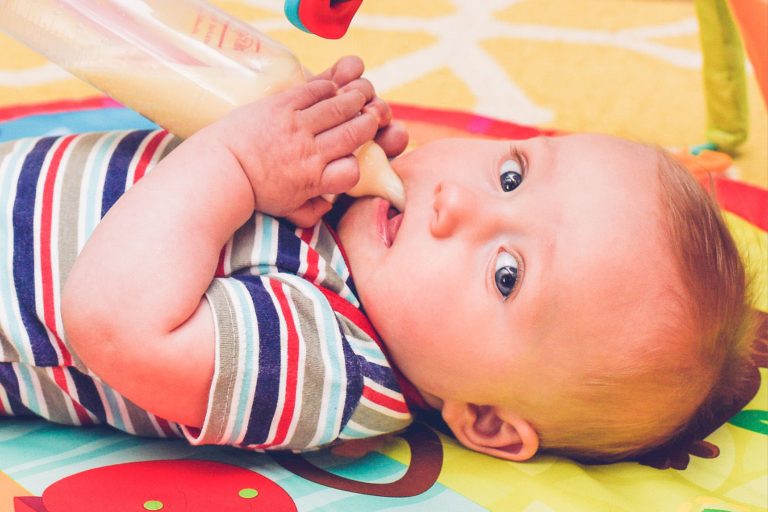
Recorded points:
(61, 381)
(468, 122)
(46, 268)
(147, 155)
(312, 256)
(746, 201)
(220, 264)
(55, 107)
(340, 305)
(384, 400)
(3, 412)
(292, 366)
(313, 268)
(165, 427)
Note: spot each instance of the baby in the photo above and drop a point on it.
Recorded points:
(577, 294)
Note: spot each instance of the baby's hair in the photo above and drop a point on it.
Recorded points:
(710, 312)
(717, 286)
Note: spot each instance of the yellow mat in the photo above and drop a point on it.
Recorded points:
(625, 67)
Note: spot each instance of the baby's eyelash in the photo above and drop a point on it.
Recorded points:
(520, 158)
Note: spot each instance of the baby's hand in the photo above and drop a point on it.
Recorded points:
(346, 73)
(296, 145)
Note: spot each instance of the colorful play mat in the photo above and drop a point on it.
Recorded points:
(483, 68)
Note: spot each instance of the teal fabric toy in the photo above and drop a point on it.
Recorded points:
(326, 18)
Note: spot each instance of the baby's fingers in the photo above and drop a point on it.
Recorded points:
(310, 213)
(393, 139)
(345, 70)
(339, 176)
(332, 112)
(305, 95)
(345, 138)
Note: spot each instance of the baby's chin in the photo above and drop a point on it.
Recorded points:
(349, 223)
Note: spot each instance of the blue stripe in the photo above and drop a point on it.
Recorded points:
(268, 225)
(244, 298)
(28, 381)
(354, 382)
(92, 180)
(270, 364)
(81, 121)
(330, 338)
(24, 252)
(111, 398)
(14, 327)
(288, 257)
(379, 374)
(117, 171)
(87, 394)
(10, 384)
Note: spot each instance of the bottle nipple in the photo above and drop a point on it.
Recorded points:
(377, 178)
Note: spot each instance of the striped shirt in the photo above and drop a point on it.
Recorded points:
(297, 364)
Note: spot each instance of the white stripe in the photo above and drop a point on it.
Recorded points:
(159, 430)
(56, 227)
(283, 363)
(340, 266)
(73, 419)
(365, 430)
(30, 393)
(383, 390)
(92, 185)
(301, 362)
(350, 432)
(303, 250)
(136, 158)
(267, 256)
(368, 349)
(247, 334)
(119, 417)
(109, 415)
(329, 335)
(10, 315)
(385, 411)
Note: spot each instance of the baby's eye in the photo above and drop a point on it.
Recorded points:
(506, 274)
(510, 175)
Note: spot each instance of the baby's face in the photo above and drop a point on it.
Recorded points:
(515, 263)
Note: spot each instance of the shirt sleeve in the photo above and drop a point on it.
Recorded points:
(285, 376)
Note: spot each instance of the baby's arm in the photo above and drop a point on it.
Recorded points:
(133, 306)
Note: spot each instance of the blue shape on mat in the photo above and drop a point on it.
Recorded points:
(78, 121)
(291, 10)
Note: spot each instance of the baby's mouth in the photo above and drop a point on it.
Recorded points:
(389, 220)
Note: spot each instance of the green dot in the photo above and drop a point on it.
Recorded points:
(153, 505)
(248, 493)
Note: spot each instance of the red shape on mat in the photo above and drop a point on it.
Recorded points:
(55, 107)
(177, 485)
(471, 123)
(328, 18)
(28, 504)
(746, 201)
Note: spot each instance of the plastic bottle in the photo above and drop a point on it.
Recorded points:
(182, 63)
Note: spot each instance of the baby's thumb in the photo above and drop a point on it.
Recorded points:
(339, 175)
(310, 213)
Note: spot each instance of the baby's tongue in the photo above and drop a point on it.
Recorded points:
(377, 178)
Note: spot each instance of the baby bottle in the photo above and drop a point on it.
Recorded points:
(182, 63)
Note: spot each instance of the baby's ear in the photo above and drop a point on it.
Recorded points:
(491, 430)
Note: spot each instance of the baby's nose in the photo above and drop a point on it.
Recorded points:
(454, 206)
